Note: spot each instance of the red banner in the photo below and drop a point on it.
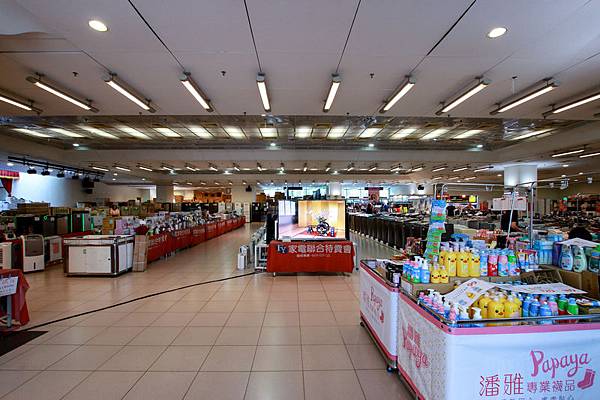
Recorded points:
(315, 256)
(198, 235)
(157, 246)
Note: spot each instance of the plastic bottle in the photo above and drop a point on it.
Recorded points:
(447, 308)
(463, 315)
(425, 273)
(474, 261)
(443, 275)
(534, 308)
(511, 309)
(462, 264)
(454, 312)
(579, 259)
(562, 304)
(495, 309)
(493, 263)
(545, 311)
(483, 264)
(483, 305)
(451, 263)
(443, 252)
(416, 272)
(477, 316)
(553, 305)
(513, 269)
(525, 307)
(435, 274)
(572, 307)
(566, 258)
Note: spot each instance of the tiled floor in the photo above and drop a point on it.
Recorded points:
(255, 337)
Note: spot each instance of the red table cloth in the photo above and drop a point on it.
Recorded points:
(19, 303)
(310, 256)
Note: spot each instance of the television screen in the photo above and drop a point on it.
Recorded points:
(312, 219)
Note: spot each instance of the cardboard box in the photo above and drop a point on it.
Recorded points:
(585, 280)
(415, 288)
(140, 253)
(544, 275)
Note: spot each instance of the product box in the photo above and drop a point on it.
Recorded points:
(140, 253)
(415, 288)
(544, 275)
(501, 279)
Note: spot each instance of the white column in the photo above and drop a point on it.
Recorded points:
(164, 194)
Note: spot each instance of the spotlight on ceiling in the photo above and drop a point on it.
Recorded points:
(60, 174)
(31, 171)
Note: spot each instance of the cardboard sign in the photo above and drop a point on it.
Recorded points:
(468, 292)
(8, 286)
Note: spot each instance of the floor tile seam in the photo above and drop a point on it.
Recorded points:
(27, 381)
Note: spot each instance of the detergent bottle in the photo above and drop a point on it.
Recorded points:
(534, 308)
(474, 261)
(483, 263)
(511, 309)
(477, 316)
(462, 264)
(566, 258)
(553, 305)
(493, 263)
(483, 305)
(517, 300)
(502, 264)
(443, 252)
(562, 304)
(454, 312)
(579, 259)
(545, 311)
(525, 306)
(451, 263)
(495, 309)
(425, 273)
(594, 264)
(443, 275)
(572, 307)
(513, 268)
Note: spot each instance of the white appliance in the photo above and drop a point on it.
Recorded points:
(6, 255)
(242, 257)
(53, 250)
(33, 253)
(99, 254)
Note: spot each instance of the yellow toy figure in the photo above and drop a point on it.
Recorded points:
(462, 264)
(495, 309)
(443, 275)
(451, 263)
(435, 275)
(474, 267)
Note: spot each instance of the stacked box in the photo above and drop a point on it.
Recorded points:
(34, 208)
(140, 253)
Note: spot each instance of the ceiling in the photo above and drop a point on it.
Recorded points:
(298, 44)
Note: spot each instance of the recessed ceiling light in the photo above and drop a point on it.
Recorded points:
(115, 174)
(75, 144)
(565, 165)
(435, 133)
(132, 132)
(581, 173)
(499, 175)
(167, 132)
(531, 133)
(10, 164)
(143, 179)
(563, 176)
(371, 145)
(402, 133)
(467, 134)
(273, 144)
(200, 131)
(66, 132)
(479, 146)
(98, 132)
(97, 25)
(234, 132)
(497, 32)
(369, 133)
(114, 179)
(302, 132)
(32, 133)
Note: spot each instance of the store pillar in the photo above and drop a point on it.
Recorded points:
(164, 194)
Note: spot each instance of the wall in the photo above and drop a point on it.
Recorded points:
(188, 195)
(239, 194)
(66, 192)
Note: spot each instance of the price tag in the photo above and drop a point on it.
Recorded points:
(8, 286)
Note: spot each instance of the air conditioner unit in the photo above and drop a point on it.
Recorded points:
(33, 253)
(6, 256)
(53, 250)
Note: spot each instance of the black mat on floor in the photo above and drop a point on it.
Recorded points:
(11, 340)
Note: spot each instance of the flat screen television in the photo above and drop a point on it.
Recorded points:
(312, 220)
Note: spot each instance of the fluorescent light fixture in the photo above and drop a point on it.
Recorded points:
(549, 85)
(302, 132)
(145, 168)
(402, 133)
(530, 134)
(167, 132)
(234, 132)
(417, 169)
(483, 169)
(281, 167)
(259, 167)
(244, 183)
(372, 167)
(19, 104)
(229, 182)
(66, 132)
(371, 145)
(435, 133)
(337, 132)
(460, 169)
(369, 133)
(189, 183)
(453, 178)
(304, 168)
(479, 86)
(212, 167)
(59, 93)
(98, 132)
(269, 132)
(132, 132)
(100, 168)
(576, 103)
(217, 183)
(10, 164)
(262, 90)
(404, 88)
(195, 91)
(236, 167)
(568, 153)
(589, 155)
(336, 81)
(470, 178)
(565, 165)
(440, 168)
(190, 168)
(350, 167)
(122, 168)
(128, 92)
(97, 25)
(396, 168)
(496, 32)
(468, 134)
(328, 167)
(436, 178)
(32, 132)
(76, 145)
(200, 131)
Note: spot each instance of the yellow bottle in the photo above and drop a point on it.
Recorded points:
(462, 264)
(517, 300)
(511, 309)
(451, 263)
(483, 304)
(442, 260)
(495, 309)
(474, 267)
(443, 275)
(435, 274)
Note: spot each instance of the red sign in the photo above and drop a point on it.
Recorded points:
(321, 256)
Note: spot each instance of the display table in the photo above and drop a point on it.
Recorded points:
(379, 310)
(310, 256)
(18, 302)
(532, 361)
(99, 255)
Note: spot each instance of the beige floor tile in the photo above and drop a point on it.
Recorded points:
(345, 305)
(39, 357)
(174, 319)
(155, 306)
(138, 319)
(279, 335)
(133, 358)
(347, 317)
(103, 318)
(332, 385)
(226, 296)
(282, 306)
(16, 352)
(197, 336)
(365, 356)
(219, 306)
(76, 335)
(277, 358)
(229, 358)
(85, 358)
(282, 319)
(355, 335)
(181, 358)
(251, 306)
(287, 385)
(312, 296)
(187, 306)
(156, 336)
(116, 335)
(341, 295)
(51, 331)
(236, 335)
(317, 318)
(161, 385)
(218, 385)
(283, 296)
(245, 319)
(321, 335)
(10, 380)
(209, 319)
(315, 306)
(48, 385)
(382, 385)
(104, 385)
(325, 357)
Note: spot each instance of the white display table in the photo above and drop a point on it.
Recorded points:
(99, 255)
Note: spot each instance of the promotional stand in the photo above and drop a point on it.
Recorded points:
(310, 256)
(379, 311)
(531, 358)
